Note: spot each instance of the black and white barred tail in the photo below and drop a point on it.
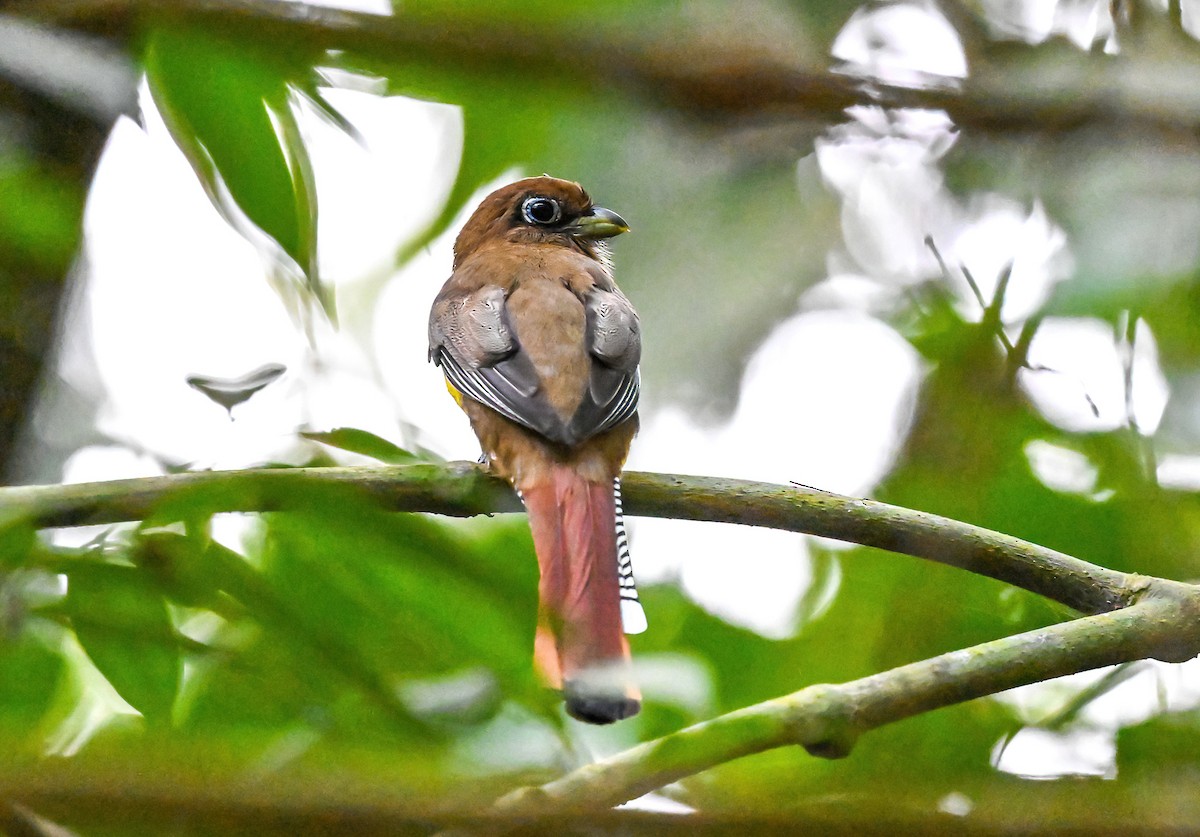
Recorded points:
(633, 617)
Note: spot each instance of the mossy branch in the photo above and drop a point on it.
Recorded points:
(464, 488)
(827, 719)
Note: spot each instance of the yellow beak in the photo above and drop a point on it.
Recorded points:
(599, 223)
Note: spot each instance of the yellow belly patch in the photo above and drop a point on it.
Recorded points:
(455, 394)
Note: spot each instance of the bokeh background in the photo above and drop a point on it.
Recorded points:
(943, 254)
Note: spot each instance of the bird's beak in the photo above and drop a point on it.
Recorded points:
(599, 223)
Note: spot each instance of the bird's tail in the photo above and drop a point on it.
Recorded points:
(580, 643)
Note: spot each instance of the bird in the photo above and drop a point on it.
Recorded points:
(540, 349)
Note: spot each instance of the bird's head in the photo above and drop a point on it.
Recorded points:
(540, 210)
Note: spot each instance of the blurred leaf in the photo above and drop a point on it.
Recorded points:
(180, 567)
(17, 541)
(353, 613)
(123, 625)
(226, 101)
(41, 213)
(296, 664)
(362, 442)
(823, 19)
(1168, 744)
(30, 671)
(398, 587)
(229, 392)
(822, 588)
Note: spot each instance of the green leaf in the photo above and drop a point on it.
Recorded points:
(180, 568)
(294, 665)
(362, 442)
(29, 679)
(409, 596)
(1165, 745)
(41, 214)
(226, 101)
(122, 623)
(17, 541)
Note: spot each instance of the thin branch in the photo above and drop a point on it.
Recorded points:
(827, 720)
(464, 488)
(991, 310)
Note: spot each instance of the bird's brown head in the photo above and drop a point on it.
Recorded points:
(540, 210)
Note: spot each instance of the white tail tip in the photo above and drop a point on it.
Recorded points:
(633, 618)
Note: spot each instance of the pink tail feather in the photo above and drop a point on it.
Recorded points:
(580, 645)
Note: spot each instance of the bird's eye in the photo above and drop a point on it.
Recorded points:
(541, 211)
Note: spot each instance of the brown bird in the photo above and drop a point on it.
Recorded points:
(540, 349)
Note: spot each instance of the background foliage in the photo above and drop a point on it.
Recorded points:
(357, 668)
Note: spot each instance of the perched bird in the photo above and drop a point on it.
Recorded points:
(541, 349)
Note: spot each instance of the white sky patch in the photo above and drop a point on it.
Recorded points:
(1000, 232)
(1029, 20)
(750, 577)
(377, 7)
(1190, 17)
(825, 402)
(1150, 391)
(234, 529)
(1083, 360)
(1042, 754)
(1155, 687)
(842, 291)
(108, 462)
(1082, 22)
(1179, 471)
(884, 165)
(676, 679)
(1088, 744)
(658, 804)
(956, 804)
(902, 43)
(1061, 469)
(377, 194)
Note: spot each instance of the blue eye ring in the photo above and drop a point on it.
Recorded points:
(541, 211)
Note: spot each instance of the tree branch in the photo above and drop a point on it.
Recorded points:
(464, 488)
(827, 720)
(708, 79)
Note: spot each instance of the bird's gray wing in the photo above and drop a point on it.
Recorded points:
(615, 345)
(473, 340)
